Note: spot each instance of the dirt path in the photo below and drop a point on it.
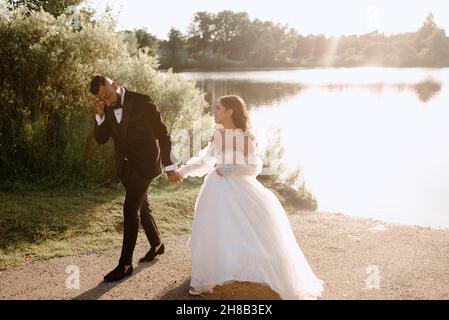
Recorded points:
(347, 253)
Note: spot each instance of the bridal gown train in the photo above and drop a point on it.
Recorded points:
(240, 230)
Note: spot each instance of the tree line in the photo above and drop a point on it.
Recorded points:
(232, 39)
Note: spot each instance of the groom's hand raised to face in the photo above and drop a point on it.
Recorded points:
(98, 106)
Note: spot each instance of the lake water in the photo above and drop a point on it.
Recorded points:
(371, 142)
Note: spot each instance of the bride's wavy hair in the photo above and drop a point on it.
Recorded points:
(240, 114)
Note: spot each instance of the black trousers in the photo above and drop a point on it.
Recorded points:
(136, 204)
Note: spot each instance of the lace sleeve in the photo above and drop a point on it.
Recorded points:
(201, 165)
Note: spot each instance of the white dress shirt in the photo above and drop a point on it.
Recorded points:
(118, 115)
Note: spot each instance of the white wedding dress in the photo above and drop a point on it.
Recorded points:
(240, 230)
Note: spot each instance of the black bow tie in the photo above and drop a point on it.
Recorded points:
(118, 105)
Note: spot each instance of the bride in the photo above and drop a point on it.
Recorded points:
(240, 230)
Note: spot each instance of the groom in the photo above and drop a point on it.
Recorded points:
(141, 143)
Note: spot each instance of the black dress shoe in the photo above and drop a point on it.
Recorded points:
(153, 253)
(119, 273)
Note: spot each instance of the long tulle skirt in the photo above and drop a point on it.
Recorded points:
(241, 232)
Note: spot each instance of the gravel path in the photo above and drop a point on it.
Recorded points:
(356, 258)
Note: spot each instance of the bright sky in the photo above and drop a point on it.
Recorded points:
(329, 17)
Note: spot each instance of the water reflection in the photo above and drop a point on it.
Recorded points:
(370, 142)
(254, 93)
(257, 94)
(427, 89)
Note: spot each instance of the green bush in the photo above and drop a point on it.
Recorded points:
(46, 121)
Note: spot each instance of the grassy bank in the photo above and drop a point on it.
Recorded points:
(46, 222)
(42, 224)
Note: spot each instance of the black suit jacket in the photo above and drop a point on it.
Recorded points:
(141, 137)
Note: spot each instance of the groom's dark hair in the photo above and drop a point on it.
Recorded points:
(96, 82)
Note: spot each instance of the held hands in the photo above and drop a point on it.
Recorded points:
(219, 172)
(174, 177)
